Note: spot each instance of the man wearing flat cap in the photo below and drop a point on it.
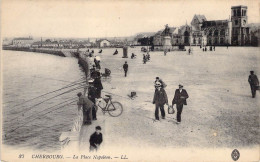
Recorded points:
(87, 106)
(179, 99)
(254, 83)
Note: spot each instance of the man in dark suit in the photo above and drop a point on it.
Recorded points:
(180, 99)
(160, 98)
(98, 85)
(92, 95)
(254, 83)
(125, 67)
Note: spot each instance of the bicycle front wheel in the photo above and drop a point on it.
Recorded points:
(115, 109)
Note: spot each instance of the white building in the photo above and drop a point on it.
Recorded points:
(22, 42)
(103, 43)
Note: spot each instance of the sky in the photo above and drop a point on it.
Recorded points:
(111, 18)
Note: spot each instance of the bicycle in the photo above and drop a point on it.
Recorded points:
(113, 108)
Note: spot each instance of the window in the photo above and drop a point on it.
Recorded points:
(238, 12)
(209, 41)
(222, 32)
(236, 22)
(221, 40)
(216, 33)
(186, 33)
(244, 12)
(210, 32)
(236, 32)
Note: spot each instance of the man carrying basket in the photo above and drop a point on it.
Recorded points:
(160, 98)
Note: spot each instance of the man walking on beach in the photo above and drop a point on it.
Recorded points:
(180, 99)
(87, 106)
(160, 98)
(125, 67)
(254, 83)
(95, 139)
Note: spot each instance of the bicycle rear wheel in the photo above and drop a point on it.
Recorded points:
(115, 109)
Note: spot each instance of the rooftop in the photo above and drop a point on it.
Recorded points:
(22, 39)
(201, 18)
(240, 6)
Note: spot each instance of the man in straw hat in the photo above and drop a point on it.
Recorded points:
(180, 99)
(160, 98)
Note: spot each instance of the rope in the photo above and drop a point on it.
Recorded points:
(37, 118)
(54, 79)
(67, 86)
(47, 108)
(31, 107)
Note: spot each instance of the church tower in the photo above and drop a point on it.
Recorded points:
(239, 22)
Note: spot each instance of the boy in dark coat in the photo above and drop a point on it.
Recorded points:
(160, 98)
(254, 83)
(180, 99)
(95, 139)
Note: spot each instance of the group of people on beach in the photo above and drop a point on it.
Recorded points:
(211, 48)
(93, 93)
(88, 103)
(160, 99)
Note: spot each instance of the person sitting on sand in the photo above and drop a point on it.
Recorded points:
(116, 52)
(133, 56)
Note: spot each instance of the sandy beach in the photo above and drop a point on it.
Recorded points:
(220, 113)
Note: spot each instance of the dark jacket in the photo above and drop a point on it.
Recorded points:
(253, 80)
(92, 93)
(177, 97)
(95, 139)
(160, 97)
(98, 84)
(85, 103)
(125, 66)
(95, 74)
